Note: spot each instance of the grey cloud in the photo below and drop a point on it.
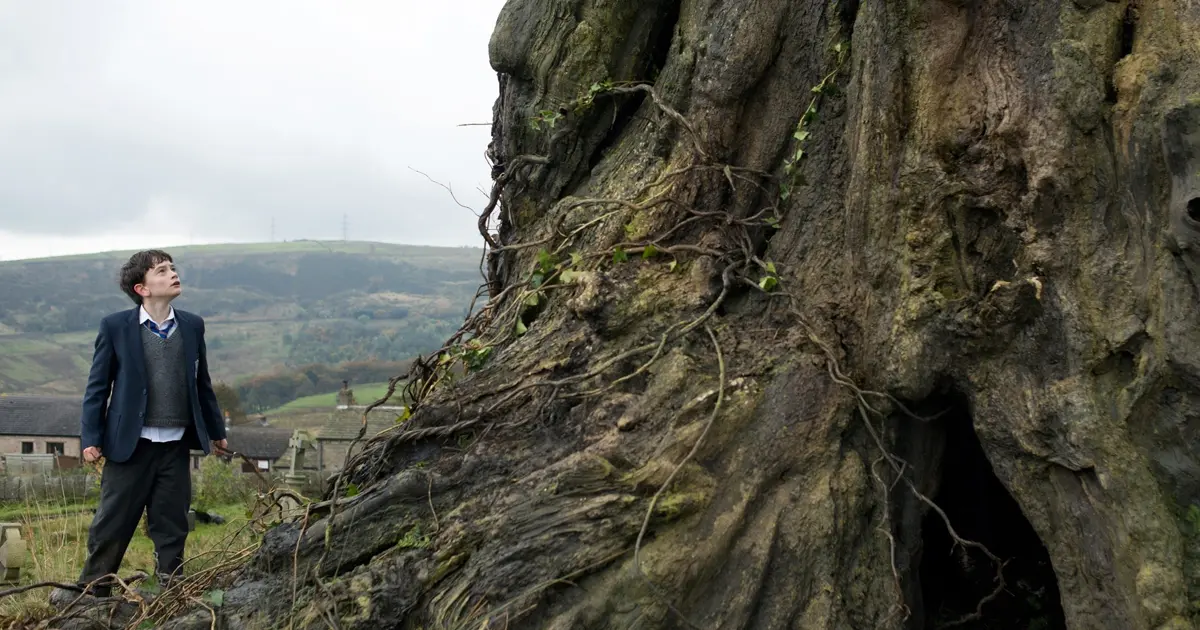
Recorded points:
(76, 181)
(220, 116)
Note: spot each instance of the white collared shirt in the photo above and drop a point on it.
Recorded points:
(160, 434)
(144, 317)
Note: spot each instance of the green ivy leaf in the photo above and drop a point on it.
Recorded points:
(477, 358)
(569, 276)
(537, 280)
(215, 598)
(405, 414)
(649, 252)
(619, 255)
(801, 135)
(672, 265)
(768, 283)
(576, 259)
(521, 329)
(545, 261)
(533, 299)
(352, 490)
(770, 267)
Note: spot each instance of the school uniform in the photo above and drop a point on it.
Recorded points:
(149, 401)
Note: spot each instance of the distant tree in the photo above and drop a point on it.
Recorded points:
(228, 399)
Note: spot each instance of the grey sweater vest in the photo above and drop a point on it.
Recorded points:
(166, 371)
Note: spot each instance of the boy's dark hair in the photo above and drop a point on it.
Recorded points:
(134, 271)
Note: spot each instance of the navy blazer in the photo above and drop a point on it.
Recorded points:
(114, 403)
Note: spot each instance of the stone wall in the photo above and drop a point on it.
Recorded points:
(27, 488)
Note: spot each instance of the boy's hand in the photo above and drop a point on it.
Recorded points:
(221, 444)
(91, 454)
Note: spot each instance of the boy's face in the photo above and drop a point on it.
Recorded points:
(160, 282)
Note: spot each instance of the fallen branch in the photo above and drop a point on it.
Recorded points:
(29, 587)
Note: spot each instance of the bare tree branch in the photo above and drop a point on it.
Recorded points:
(448, 189)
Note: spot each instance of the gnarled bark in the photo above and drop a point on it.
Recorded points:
(996, 219)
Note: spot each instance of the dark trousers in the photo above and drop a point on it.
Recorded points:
(156, 480)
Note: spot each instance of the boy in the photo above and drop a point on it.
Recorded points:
(152, 361)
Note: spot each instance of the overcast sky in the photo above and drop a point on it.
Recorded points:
(139, 123)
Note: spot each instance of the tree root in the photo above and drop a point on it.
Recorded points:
(637, 547)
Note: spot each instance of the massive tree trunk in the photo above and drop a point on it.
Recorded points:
(720, 383)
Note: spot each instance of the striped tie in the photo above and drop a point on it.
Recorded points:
(161, 332)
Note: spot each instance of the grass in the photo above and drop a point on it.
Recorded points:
(363, 394)
(11, 512)
(55, 533)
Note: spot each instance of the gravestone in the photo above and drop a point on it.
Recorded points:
(12, 553)
(295, 477)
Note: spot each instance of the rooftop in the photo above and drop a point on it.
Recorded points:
(49, 416)
(258, 442)
(343, 424)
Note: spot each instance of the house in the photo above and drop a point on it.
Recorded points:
(262, 445)
(339, 432)
(49, 425)
(40, 425)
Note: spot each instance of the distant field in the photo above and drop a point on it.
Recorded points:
(269, 307)
(309, 420)
(58, 363)
(363, 394)
(48, 363)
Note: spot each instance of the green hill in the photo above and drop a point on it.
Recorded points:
(364, 394)
(268, 306)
